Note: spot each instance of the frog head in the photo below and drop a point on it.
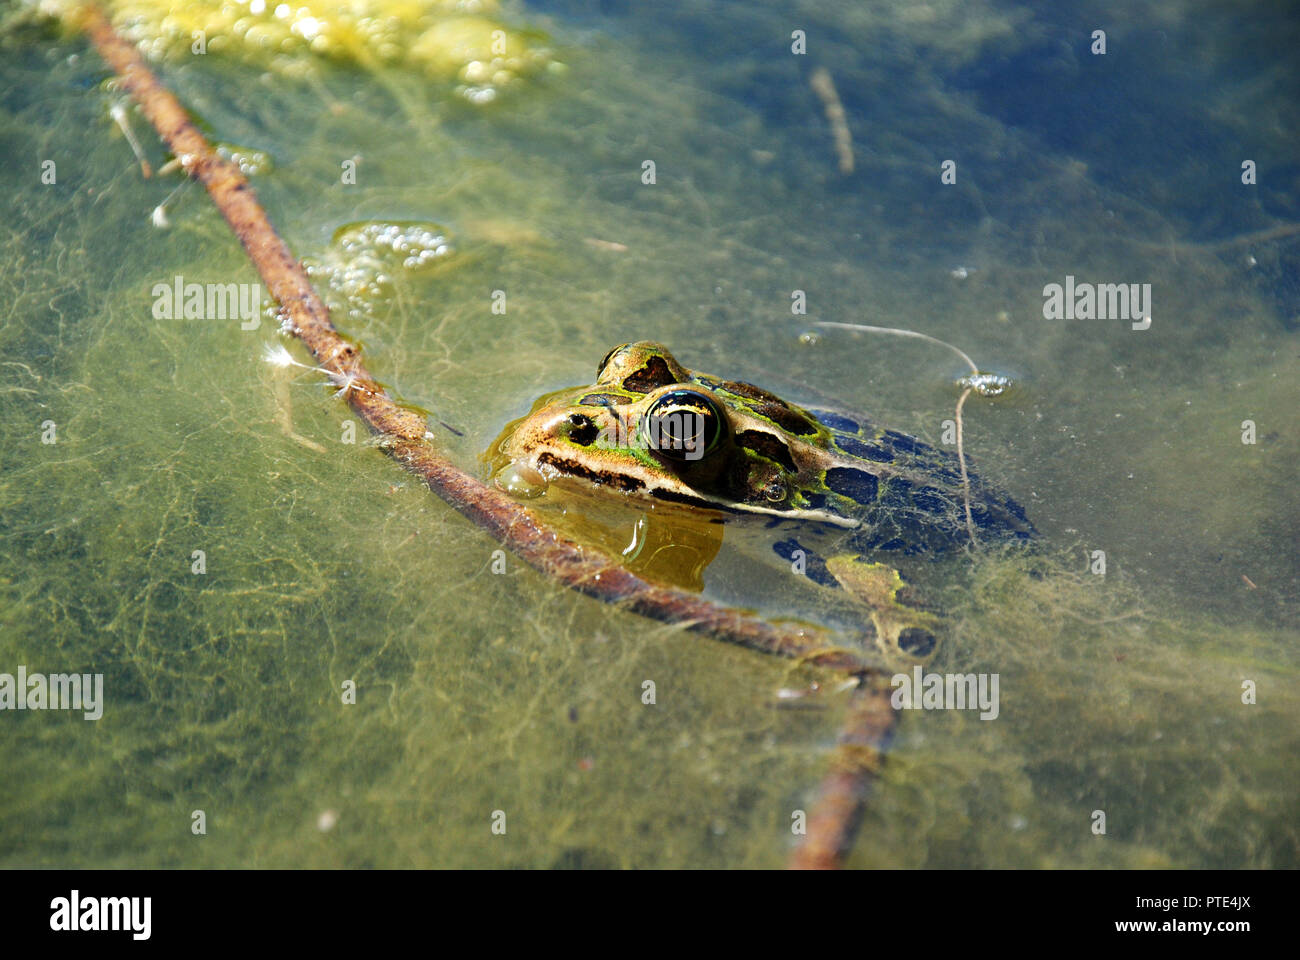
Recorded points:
(650, 428)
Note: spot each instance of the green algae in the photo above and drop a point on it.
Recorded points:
(467, 43)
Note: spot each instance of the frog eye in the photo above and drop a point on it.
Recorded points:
(682, 425)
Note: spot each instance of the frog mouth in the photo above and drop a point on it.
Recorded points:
(564, 468)
(728, 506)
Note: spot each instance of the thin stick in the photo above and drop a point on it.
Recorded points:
(124, 122)
(900, 332)
(824, 87)
(1267, 235)
(859, 753)
(961, 458)
(406, 439)
(159, 215)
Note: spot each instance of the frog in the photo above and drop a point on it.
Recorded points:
(654, 433)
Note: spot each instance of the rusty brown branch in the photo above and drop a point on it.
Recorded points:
(865, 733)
(406, 440)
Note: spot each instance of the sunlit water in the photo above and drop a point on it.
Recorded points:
(479, 692)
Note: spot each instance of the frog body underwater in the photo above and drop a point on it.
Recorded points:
(652, 430)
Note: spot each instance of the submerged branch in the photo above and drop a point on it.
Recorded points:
(867, 729)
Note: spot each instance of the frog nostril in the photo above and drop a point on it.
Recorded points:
(583, 430)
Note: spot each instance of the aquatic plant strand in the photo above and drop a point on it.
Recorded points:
(406, 439)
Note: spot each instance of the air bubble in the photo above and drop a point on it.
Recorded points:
(366, 259)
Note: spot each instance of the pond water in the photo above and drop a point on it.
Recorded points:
(324, 563)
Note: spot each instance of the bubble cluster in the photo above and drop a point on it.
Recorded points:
(365, 259)
(987, 384)
(251, 162)
(458, 41)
